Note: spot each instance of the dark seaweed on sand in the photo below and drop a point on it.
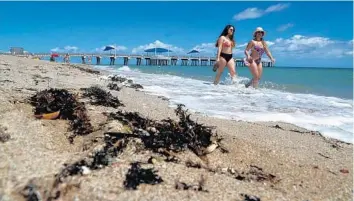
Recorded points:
(199, 187)
(117, 78)
(113, 146)
(113, 86)
(99, 96)
(52, 100)
(137, 175)
(171, 135)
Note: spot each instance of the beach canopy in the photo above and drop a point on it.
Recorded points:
(193, 51)
(109, 47)
(55, 55)
(157, 50)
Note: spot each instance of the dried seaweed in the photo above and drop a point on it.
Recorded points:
(137, 175)
(31, 193)
(192, 164)
(85, 69)
(53, 100)
(250, 197)
(168, 134)
(199, 187)
(113, 146)
(129, 82)
(113, 86)
(99, 96)
(136, 86)
(256, 173)
(4, 136)
(116, 78)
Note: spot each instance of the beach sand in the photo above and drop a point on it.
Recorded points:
(268, 160)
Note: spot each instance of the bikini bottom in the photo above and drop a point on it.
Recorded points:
(258, 61)
(227, 57)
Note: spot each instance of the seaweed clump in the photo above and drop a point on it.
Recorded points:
(113, 86)
(199, 187)
(99, 96)
(137, 175)
(53, 100)
(168, 134)
(99, 159)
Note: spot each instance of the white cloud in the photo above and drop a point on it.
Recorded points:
(67, 48)
(277, 7)
(253, 13)
(157, 44)
(242, 45)
(284, 27)
(315, 47)
(205, 48)
(349, 53)
(118, 48)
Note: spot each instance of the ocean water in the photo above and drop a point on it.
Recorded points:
(313, 98)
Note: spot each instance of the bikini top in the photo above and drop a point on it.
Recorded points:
(226, 44)
(259, 49)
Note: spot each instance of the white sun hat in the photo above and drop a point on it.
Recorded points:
(259, 29)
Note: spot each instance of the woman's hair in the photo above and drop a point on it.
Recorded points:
(224, 33)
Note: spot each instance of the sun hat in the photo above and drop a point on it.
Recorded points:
(259, 29)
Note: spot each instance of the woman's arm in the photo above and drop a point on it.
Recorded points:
(248, 47)
(221, 39)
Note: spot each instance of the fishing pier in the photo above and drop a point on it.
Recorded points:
(157, 60)
(134, 59)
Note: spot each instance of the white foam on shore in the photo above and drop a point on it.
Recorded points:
(331, 116)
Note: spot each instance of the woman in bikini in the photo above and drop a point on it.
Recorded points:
(257, 46)
(225, 43)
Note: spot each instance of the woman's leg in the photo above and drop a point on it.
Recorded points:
(221, 66)
(232, 69)
(260, 69)
(254, 71)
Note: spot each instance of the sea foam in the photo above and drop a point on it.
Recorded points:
(331, 116)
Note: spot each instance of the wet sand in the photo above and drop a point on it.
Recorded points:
(269, 160)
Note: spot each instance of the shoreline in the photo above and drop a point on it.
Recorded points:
(308, 165)
(108, 73)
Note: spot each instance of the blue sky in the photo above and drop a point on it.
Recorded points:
(298, 33)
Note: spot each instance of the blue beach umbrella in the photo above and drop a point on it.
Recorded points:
(194, 52)
(157, 50)
(110, 47)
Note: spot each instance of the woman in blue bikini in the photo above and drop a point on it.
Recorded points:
(257, 46)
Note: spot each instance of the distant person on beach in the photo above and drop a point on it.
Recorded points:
(225, 43)
(257, 46)
(67, 58)
(112, 59)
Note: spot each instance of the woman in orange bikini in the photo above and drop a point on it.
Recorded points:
(257, 46)
(225, 43)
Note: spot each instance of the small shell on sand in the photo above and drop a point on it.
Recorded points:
(85, 170)
(211, 147)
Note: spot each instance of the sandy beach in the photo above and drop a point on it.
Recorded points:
(264, 160)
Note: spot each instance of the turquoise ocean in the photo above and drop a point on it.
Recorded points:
(318, 99)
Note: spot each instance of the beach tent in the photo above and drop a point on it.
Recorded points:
(158, 50)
